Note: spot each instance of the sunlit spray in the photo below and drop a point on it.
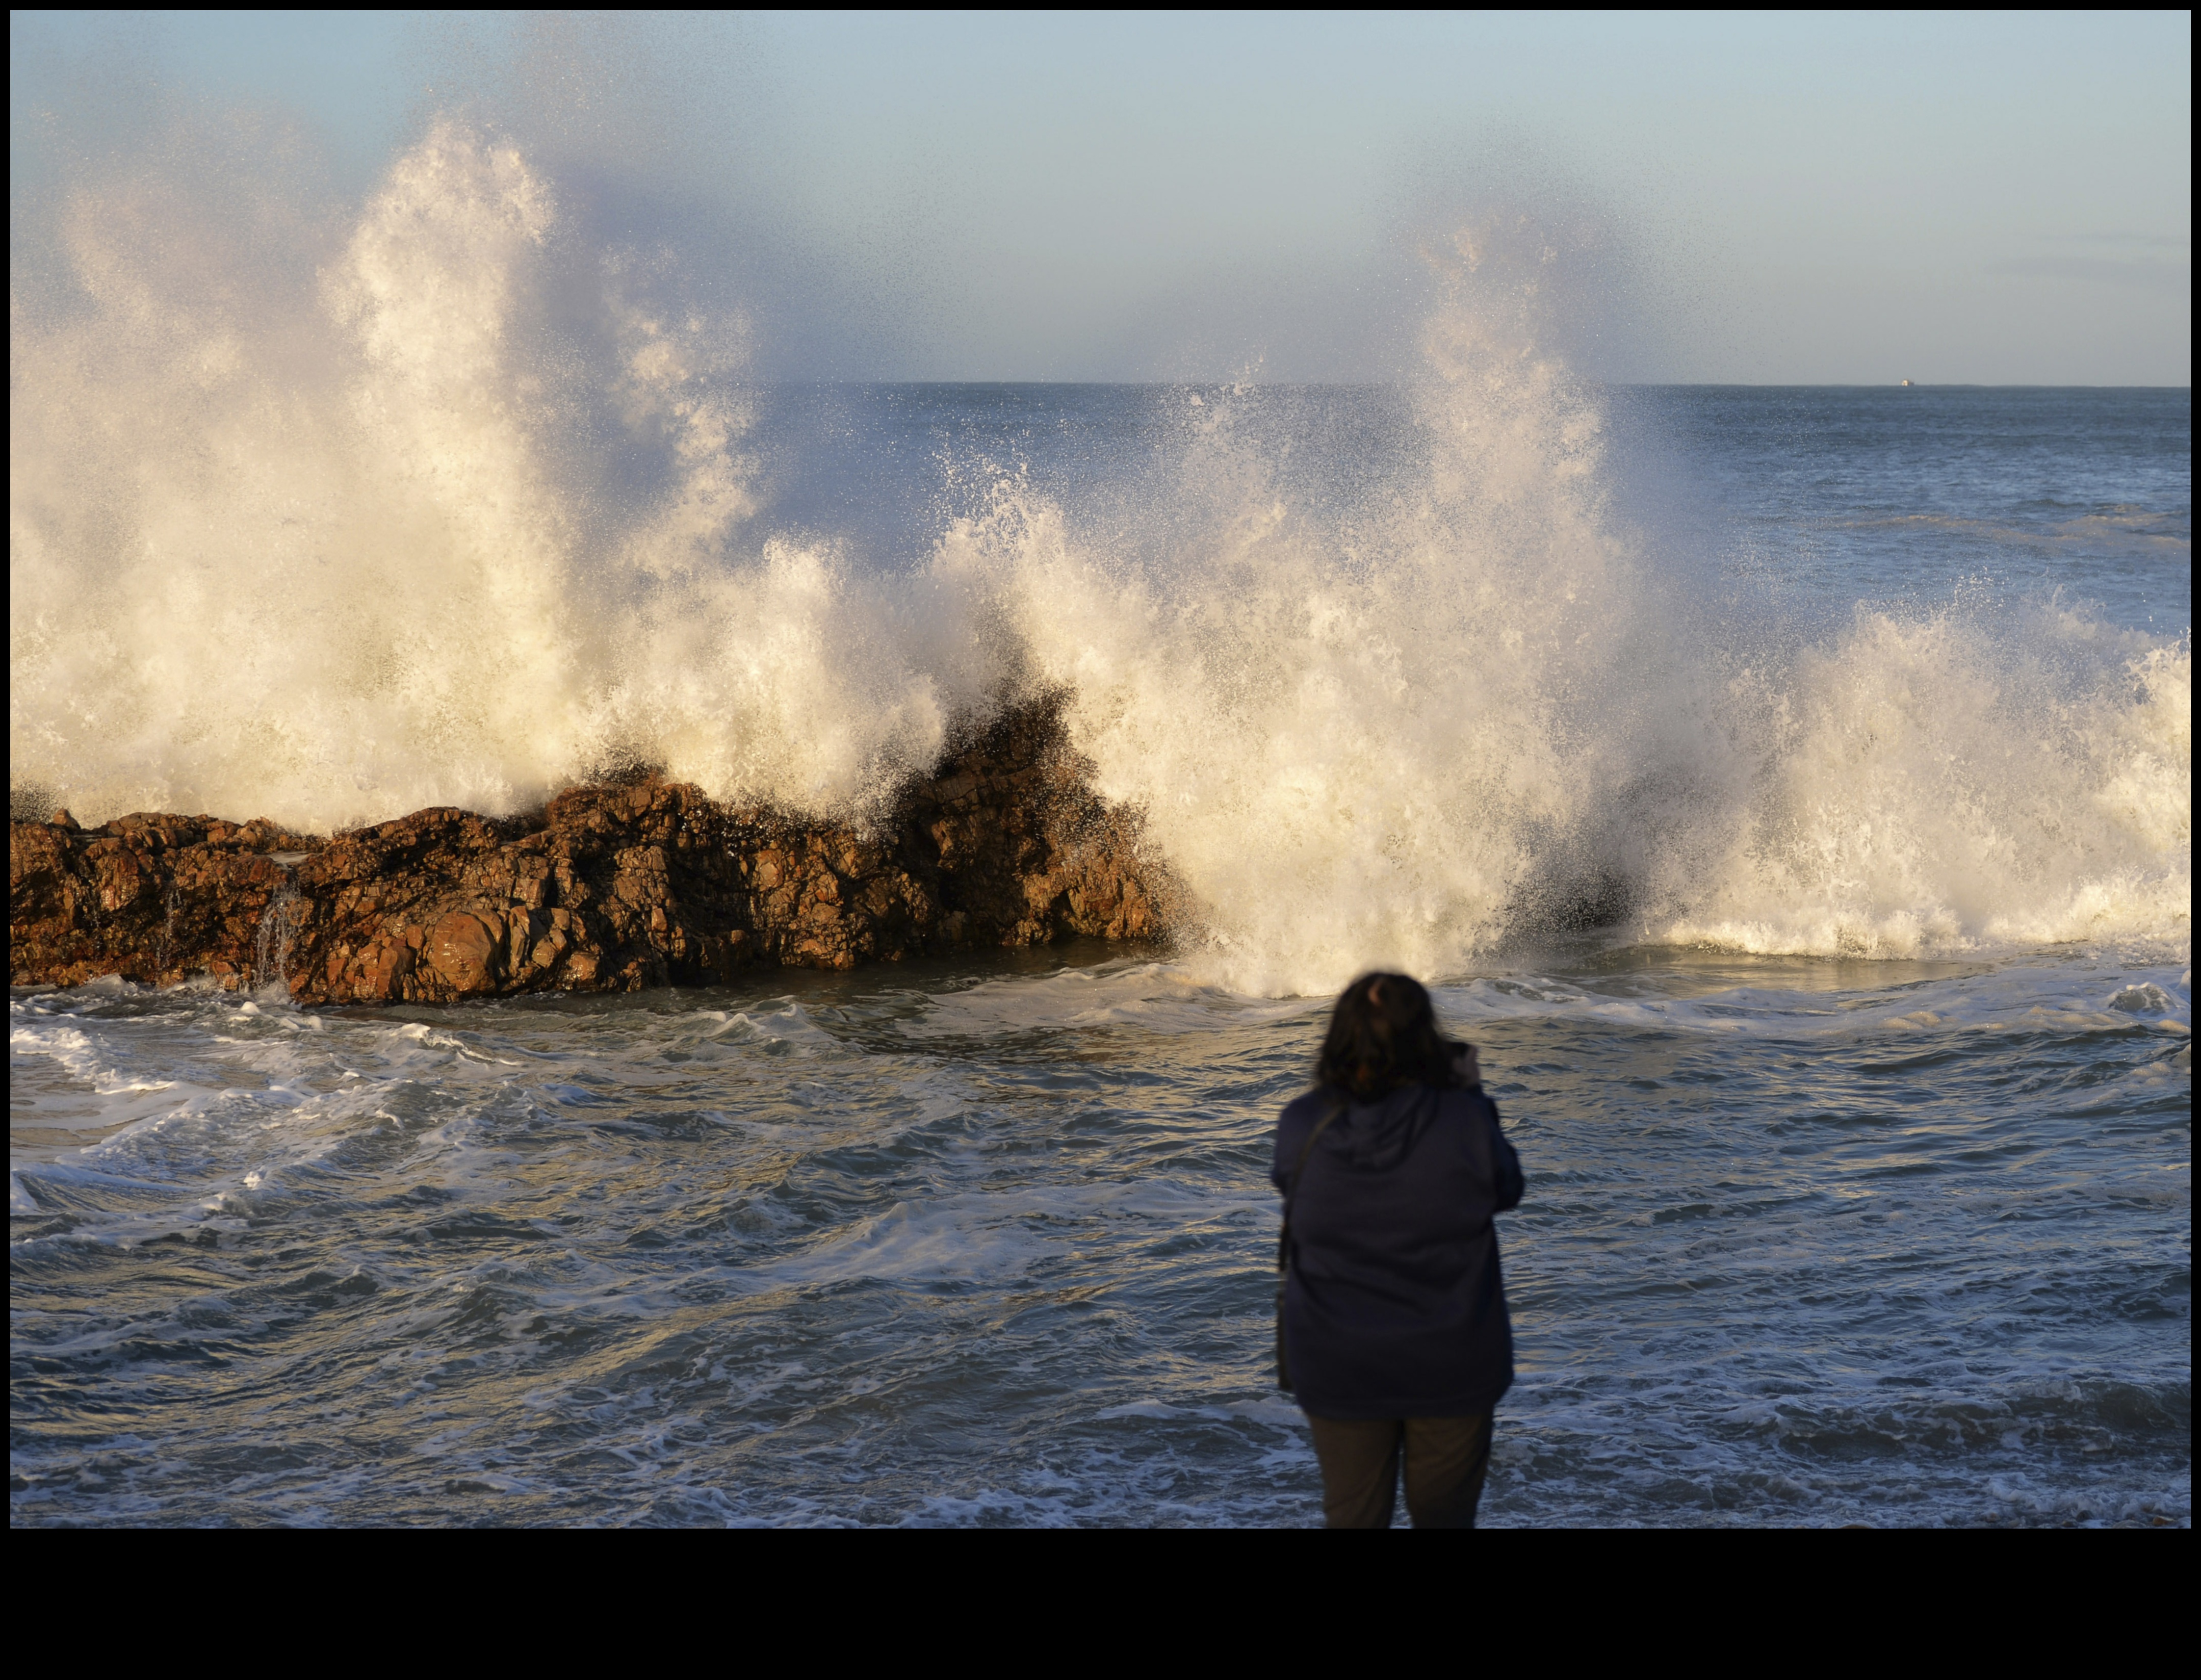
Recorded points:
(465, 509)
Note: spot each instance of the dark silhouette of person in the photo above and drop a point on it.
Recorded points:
(1392, 1328)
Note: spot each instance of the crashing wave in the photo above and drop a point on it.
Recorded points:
(447, 507)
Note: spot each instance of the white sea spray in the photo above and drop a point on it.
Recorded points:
(327, 517)
(445, 522)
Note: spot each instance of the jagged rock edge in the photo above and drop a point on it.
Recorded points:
(613, 887)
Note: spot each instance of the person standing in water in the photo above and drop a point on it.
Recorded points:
(1392, 1330)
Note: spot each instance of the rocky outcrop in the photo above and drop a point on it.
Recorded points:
(608, 889)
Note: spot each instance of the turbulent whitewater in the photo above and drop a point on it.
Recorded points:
(450, 506)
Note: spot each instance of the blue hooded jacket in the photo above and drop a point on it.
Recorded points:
(1393, 1306)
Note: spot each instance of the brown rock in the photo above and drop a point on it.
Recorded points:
(644, 883)
(462, 953)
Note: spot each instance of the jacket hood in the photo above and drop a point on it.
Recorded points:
(1379, 1135)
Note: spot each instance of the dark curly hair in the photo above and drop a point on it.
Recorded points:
(1382, 1035)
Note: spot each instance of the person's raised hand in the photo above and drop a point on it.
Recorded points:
(1470, 1070)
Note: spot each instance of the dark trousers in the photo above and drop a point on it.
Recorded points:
(1446, 1458)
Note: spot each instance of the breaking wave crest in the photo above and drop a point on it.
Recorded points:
(446, 506)
(442, 519)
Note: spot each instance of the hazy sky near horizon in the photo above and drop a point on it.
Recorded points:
(1960, 198)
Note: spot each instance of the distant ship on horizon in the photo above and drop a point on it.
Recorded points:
(1906, 384)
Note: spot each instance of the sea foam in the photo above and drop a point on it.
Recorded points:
(445, 505)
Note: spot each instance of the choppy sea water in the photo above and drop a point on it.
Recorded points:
(1803, 1243)
(1807, 1239)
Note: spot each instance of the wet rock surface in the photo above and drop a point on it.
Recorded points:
(608, 889)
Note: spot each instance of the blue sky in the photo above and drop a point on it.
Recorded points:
(1958, 197)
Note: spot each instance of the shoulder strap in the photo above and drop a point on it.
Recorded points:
(1292, 1191)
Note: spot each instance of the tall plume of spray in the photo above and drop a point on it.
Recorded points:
(328, 512)
(1399, 742)
(1503, 709)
